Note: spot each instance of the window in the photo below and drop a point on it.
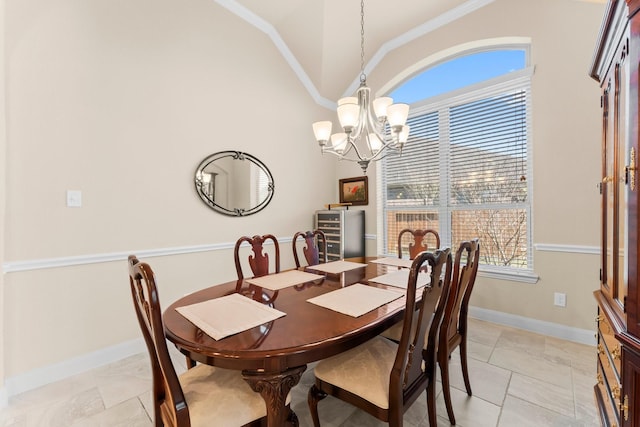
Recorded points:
(465, 170)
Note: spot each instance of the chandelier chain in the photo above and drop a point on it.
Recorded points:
(363, 76)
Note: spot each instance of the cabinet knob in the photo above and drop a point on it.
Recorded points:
(616, 392)
(616, 352)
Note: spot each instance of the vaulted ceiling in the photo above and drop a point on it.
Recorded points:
(321, 38)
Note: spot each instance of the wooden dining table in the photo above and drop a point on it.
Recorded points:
(273, 356)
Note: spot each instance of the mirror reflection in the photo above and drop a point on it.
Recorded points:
(234, 183)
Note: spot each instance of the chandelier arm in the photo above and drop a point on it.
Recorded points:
(338, 155)
(387, 151)
(352, 145)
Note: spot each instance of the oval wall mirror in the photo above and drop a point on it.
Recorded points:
(234, 183)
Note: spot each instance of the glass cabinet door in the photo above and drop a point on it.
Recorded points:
(625, 177)
(607, 189)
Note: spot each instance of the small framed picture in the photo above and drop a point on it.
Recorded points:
(354, 190)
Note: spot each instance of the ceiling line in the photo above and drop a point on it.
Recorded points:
(431, 25)
(264, 26)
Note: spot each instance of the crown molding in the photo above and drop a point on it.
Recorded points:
(414, 33)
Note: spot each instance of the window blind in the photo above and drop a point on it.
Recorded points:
(465, 172)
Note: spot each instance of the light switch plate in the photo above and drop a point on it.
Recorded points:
(560, 299)
(74, 198)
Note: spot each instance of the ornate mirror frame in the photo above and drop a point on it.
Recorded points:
(225, 163)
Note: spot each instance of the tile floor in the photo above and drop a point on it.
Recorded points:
(518, 379)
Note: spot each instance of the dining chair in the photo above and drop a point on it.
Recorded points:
(316, 244)
(203, 395)
(453, 332)
(417, 244)
(259, 263)
(382, 377)
(418, 241)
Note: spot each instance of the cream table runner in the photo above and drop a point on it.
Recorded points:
(277, 281)
(228, 315)
(400, 278)
(335, 267)
(355, 300)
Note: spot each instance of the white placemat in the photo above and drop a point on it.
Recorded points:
(355, 300)
(283, 280)
(400, 278)
(335, 267)
(228, 315)
(398, 262)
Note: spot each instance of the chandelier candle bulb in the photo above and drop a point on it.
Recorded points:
(339, 142)
(348, 116)
(380, 106)
(374, 143)
(397, 115)
(322, 131)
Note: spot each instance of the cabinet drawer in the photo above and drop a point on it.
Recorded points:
(610, 344)
(607, 370)
(330, 217)
(610, 406)
(329, 225)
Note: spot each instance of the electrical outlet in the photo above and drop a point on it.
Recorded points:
(560, 299)
(74, 198)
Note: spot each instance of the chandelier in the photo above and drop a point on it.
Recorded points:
(370, 129)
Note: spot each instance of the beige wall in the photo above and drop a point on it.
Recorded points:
(3, 162)
(122, 100)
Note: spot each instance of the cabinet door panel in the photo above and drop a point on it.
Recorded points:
(622, 174)
(608, 192)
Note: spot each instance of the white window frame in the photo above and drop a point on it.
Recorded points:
(521, 78)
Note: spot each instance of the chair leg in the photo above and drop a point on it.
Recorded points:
(431, 403)
(315, 395)
(463, 362)
(190, 363)
(446, 388)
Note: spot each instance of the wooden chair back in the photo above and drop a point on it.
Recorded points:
(453, 332)
(418, 341)
(169, 404)
(316, 243)
(418, 241)
(465, 269)
(258, 258)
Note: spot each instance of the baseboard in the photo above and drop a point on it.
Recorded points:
(582, 336)
(59, 371)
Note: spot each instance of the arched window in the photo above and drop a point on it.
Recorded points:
(465, 170)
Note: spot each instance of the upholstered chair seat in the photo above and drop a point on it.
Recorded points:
(363, 370)
(217, 396)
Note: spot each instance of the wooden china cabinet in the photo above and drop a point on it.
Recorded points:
(615, 67)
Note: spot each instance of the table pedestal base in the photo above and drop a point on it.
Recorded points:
(274, 388)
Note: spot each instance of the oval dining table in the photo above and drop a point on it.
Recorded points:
(273, 356)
